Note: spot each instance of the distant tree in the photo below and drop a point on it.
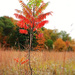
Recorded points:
(40, 41)
(72, 44)
(12, 19)
(6, 29)
(65, 36)
(47, 33)
(59, 45)
(49, 43)
(51, 34)
(55, 35)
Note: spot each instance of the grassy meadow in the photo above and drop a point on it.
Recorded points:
(42, 62)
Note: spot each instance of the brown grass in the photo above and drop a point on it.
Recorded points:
(40, 61)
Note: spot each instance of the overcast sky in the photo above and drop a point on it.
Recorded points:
(63, 17)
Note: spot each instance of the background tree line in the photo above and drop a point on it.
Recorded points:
(50, 39)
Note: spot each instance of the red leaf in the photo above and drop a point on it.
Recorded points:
(22, 18)
(16, 59)
(25, 61)
(34, 29)
(41, 24)
(21, 24)
(19, 11)
(22, 31)
(40, 35)
(27, 14)
(25, 26)
(42, 16)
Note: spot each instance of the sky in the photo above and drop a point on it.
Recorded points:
(63, 13)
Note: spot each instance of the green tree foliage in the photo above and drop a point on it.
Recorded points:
(65, 36)
(7, 25)
(21, 40)
(55, 35)
(34, 3)
(6, 28)
(49, 43)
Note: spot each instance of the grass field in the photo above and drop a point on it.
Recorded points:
(43, 63)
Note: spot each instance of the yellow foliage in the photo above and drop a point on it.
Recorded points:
(73, 48)
(72, 44)
(59, 45)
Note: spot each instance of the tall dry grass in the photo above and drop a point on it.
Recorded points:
(43, 63)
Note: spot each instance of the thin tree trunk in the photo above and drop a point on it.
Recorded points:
(29, 52)
(31, 38)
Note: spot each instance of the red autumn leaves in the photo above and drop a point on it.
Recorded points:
(26, 24)
(22, 61)
(30, 21)
(41, 24)
(22, 31)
